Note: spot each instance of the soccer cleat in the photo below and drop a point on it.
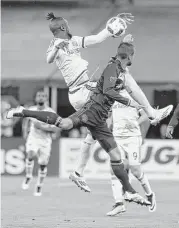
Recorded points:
(161, 114)
(118, 208)
(152, 200)
(38, 191)
(136, 198)
(15, 112)
(26, 183)
(79, 181)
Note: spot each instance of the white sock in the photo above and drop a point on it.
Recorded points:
(145, 184)
(84, 157)
(117, 189)
(138, 95)
(41, 176)
(29, 166)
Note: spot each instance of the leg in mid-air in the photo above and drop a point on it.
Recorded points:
(29, 166)
(138, 95)
(102, 134)
(117, 191)
(131, 147)
(78, 175)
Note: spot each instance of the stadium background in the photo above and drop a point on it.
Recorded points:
(25, 38)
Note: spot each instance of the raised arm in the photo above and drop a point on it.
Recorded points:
(96, 39)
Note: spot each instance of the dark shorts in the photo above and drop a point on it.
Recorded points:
(91, 117)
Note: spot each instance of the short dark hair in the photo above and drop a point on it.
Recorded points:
(125, 49)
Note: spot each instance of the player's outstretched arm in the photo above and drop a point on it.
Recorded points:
(173, 123)
(98, 38)
(105, 33)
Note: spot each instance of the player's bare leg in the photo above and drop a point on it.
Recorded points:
(142, 178)
(117, 191)
(78, 176)
(42, 173)
(119, 171)
(138, 95)
(29, 166)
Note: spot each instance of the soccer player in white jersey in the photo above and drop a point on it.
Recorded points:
(38, 144)
(126, 122)
(64, 50)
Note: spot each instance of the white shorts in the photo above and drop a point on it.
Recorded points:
(41, 150)
(79, 98)
(130, 148)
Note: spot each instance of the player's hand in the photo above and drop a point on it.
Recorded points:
(169, 132)
(61, 44)
(127, 17)
(128, 39)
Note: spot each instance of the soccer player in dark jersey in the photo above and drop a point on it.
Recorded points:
(173, 123)
(95, 112)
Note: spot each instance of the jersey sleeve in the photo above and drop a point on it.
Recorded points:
(50, 48)
(110, 78)
(80, 41)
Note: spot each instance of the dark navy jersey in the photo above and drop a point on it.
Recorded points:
(109, 86)
(175, 118)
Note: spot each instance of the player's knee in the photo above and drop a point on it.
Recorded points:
(136, 170)
(43, 161)
(115, 154)
(43, 167)
(89, 139)
(30, 155)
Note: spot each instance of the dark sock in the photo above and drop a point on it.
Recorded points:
(121, 174)
(46, 117)
(42, 167)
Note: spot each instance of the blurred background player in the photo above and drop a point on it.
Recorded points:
(64, 50)
(126, 126)
(38, 144)
(173, 123)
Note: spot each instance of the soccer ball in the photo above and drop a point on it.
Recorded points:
(116, 26)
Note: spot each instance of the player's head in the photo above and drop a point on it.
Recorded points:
(40, 97)
(125, 53)
(59, 26)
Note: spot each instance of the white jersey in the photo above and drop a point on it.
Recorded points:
(125, 119)
(70, 63)
(38, 134)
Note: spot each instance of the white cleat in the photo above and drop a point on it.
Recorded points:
(15, 112)
(26, 183)
(152, 200)
(161, 114)
(38, 191)
(118, 208)
(136, 198)
(80, 182)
